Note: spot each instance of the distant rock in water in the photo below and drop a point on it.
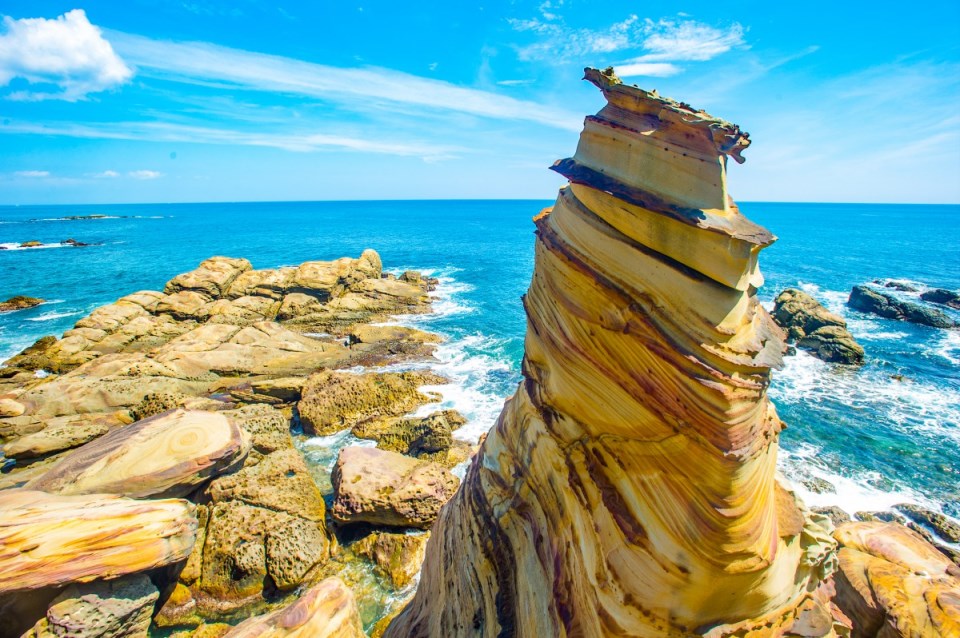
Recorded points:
(867, 299)
(896, 285)
(949, 298)
(33, 243)
(815, 328)
(19, 302)
(74, 242)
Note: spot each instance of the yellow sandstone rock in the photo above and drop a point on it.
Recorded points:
(629, 486)
(108, 536)
(166, 455)
(327, 610)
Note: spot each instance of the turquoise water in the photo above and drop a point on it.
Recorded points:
(877, 439)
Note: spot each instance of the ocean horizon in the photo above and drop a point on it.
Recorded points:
(879, 435)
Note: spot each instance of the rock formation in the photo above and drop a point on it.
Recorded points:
(814, 328)
(327, 610)
(19, 303)
(629, 486)
(893, 583)
(886, 305)
(943, 297)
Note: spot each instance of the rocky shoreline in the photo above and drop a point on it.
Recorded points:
(167, 422)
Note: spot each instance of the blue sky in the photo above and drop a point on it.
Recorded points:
(154, 101)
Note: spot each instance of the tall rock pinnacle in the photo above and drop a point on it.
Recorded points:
(629, 486)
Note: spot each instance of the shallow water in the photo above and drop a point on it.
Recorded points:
(877, 439)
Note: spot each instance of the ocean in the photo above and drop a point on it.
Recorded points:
(885, 433)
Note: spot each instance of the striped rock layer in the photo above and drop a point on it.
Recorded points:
(629, 486)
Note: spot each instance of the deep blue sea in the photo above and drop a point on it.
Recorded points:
(885, 433)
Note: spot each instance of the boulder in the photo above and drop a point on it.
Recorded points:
(428, 437)
(119, 608)
(866, 299)
(19, 302)
(893, 583)
(815, 328)
(386, 488)
(108, 536)
(185, 305)
(397, 556)
(334, 401)
(10, 407)
(949, 298)
(272, 284)
(327, 610)
(166, 455)
(211, 279)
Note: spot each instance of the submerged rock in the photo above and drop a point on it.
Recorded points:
(867, 299)
(19, 303)
(629, 486)
(949, 298)
(397, 556)
(385, 488)
(816, 329)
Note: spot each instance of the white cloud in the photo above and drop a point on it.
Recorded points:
(67, 51)
(563, 43)
(107, 174)
(205, 64)
(144, 174)
(688, 41)
(32, 173)
(648, 69)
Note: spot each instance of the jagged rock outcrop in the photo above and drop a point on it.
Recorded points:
(629, 486)
(814, 328)
(877, 302)
(891, 582)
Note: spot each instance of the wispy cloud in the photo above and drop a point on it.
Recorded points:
(67, 51)
(107, 175)
(208, 64)
(298, 141)
(145, 174)
(661, 44)
(32, 173)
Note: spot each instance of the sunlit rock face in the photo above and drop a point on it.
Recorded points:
(629, 486)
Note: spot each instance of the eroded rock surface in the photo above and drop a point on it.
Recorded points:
(628, 487)
(19, 302)
(893, 583)
(387, 488)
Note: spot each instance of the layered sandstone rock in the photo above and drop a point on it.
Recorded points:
(107, 537)
(891, 582)
(327, 610)
(629, 487)
(165, 455)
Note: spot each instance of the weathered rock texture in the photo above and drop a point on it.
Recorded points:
(814, 328)
(107, 536)
(327, 610)
(628, 488)
(19, 303)
(386, 488)
(165, 455)
(891, 582)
